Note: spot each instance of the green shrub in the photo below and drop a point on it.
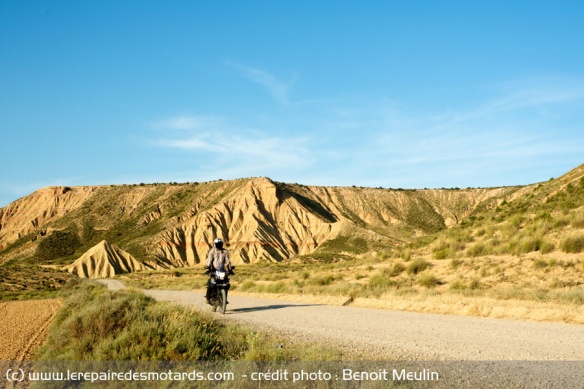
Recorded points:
(58, 244)
(418, 266)
(573, 244)
(454, 263)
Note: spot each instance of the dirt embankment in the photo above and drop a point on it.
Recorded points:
(23, 327)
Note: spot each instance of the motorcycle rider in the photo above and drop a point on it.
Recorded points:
(218, 259)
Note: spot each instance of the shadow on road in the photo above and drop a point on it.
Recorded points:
(269, 307)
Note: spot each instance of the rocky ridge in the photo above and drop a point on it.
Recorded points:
(166, 225)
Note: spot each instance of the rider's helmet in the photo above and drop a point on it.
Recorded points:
(218, 243)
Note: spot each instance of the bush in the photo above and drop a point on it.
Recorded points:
(58, 244)
(96, 324)
(428, 280)
(573, 244)
(418, 266)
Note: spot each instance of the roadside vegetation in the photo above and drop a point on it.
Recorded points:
(96, 324)
(18, 282)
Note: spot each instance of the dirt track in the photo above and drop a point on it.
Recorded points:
(384, 334)
(23, 327)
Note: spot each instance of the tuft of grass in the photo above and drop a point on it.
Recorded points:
(529, 245)
(578, 222)
(457, 284)
(474, 284)
(442, 254)
(396, 269)
(539, 263)
(428, 280)
(477, 250)
(418, 266)
(573, 244)
(322, 280)
(406, 255)
(547, 247)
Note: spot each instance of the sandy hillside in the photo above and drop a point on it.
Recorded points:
(23, 327)
(104, 260)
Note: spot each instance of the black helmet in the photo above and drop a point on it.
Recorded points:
(218, 243)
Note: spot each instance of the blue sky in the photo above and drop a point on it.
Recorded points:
(378, 93)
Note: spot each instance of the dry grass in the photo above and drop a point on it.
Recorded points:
(527, 286)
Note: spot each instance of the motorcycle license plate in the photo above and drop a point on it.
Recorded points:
(220, 275)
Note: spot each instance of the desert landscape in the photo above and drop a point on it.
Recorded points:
(501, 253)
(399, 185)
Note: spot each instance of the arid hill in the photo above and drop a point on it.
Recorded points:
(173, 225)
(104, 260)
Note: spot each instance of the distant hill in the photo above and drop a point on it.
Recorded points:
(173, 225)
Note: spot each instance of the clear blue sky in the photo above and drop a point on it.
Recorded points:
(378, 93)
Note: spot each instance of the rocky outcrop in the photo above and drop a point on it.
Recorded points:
(104, 260)
(29, 213)
(267, 221)
(259, 222)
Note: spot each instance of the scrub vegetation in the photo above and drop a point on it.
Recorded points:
(96, 324)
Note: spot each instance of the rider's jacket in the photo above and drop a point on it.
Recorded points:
(219, 259)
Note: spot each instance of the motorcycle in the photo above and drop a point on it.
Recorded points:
(218, 285)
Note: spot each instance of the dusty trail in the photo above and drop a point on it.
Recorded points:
(383, 334)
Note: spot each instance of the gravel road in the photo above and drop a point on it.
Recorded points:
(398, 335)
(393, 335)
